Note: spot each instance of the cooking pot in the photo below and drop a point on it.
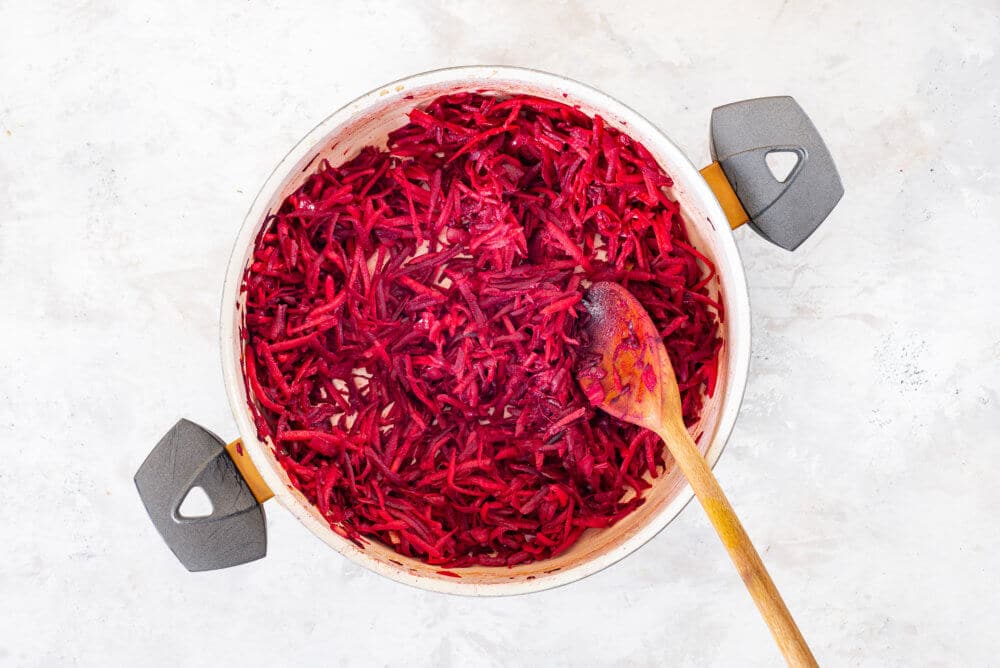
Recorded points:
(739, 187)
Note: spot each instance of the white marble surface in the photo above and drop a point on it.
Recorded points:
(133, 137)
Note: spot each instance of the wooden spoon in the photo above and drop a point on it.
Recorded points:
(628, 374)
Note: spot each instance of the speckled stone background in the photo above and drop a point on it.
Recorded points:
(133, 137)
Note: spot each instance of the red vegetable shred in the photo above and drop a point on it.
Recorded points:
(413, 322)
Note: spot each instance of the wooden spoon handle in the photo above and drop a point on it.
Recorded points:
(741, 550)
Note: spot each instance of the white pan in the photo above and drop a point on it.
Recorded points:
(239, 477)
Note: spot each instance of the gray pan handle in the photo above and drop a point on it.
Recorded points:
(783, 212)
(190, 456)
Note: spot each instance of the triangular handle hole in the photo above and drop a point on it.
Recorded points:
(781, 164)
(196, 504)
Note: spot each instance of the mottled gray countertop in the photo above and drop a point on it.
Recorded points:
(133, 137)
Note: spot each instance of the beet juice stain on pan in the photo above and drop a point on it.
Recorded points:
(238, 478)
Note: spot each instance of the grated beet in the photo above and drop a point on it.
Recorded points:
(412, 329)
